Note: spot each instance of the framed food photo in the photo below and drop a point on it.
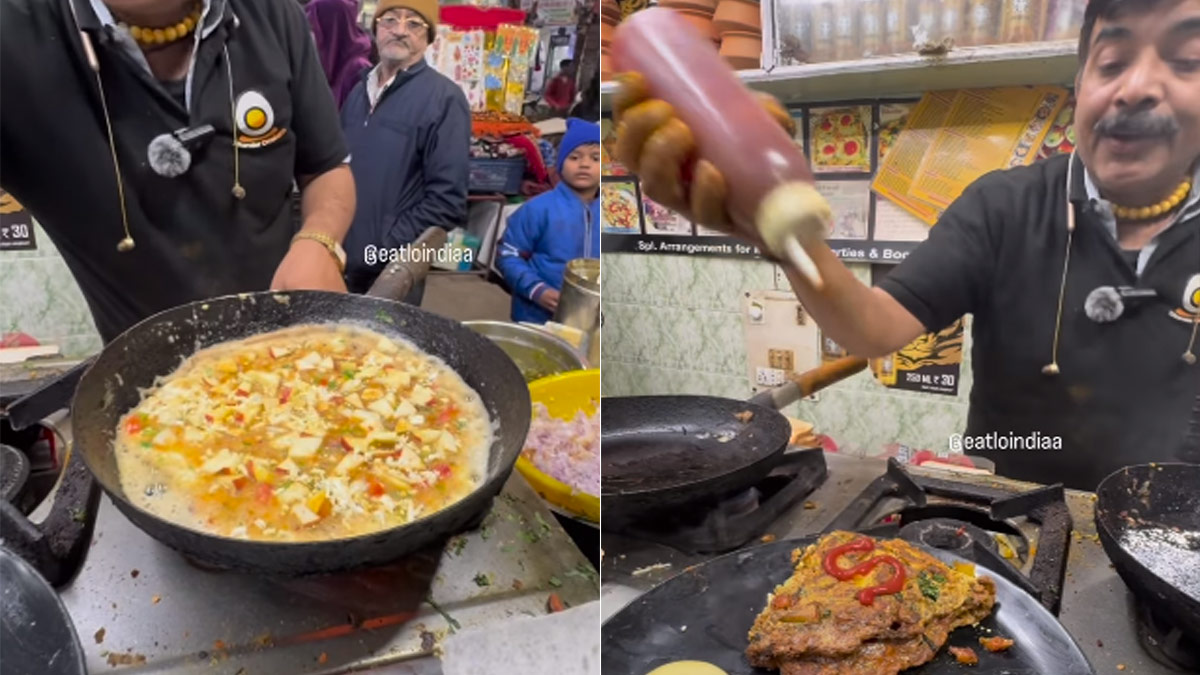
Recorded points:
(658, 219)
(839, 139)
(620, 206)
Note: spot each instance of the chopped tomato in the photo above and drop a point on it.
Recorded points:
(209, 419)
(397, 454)
(443, 470)
(242, 392)
(284, 394)
(376, 489)
(847, 120)
(250, 467)
(263, 493)
(281, 472)
(851, 148)
(134, 425)
(782, 602)
(447, 415)
(241, 419)
(239, 483)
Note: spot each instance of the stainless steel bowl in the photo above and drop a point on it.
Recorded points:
(536, 352)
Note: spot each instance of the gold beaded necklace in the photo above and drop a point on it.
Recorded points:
(1155, 210)
(157, 37)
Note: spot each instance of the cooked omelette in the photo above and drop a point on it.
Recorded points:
(893, 609)
(306, 433)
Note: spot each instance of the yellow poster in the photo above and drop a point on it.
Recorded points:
(930, 364)
(900, 163)
(985, 130)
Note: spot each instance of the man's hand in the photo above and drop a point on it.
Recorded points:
(308, 266)
(659, 147)
(549, 299)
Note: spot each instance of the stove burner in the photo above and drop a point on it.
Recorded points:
(726, 523)
(1165, 643)
(947, 534)
(14, 472)
(965, 529)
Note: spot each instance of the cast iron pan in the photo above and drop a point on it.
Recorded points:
(157, 346)
(662, 452)
(35, 628)
(1148, 518)
(719, 600)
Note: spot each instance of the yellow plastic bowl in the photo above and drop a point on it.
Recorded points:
(564, 395)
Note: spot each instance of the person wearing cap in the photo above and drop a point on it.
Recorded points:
(555, 227)
(409, 131)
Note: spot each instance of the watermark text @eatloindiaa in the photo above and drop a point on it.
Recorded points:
(1036, 441)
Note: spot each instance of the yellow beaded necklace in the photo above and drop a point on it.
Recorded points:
(155, 37)
(1155, 210)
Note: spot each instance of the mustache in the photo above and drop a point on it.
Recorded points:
(1136, 124)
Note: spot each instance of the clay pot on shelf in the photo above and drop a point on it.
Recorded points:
(739, 15)
(742, 49)
(701, 21)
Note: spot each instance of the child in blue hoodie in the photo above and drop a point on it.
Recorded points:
(554, 228)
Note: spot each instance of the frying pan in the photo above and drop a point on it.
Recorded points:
(35, 628)
(1148, 518)
(156, 346)
(663, 452)
(705, 614)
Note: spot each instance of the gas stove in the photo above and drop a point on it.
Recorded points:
(138, 605)
(1048, 544)
(727, 522)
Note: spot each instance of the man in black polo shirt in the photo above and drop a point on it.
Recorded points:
(216, 107)
(1108, 375)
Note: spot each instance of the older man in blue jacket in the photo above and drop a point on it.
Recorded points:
(555, 227)
(409, 132)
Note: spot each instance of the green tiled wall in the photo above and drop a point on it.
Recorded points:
(39, 296)
(672, 325)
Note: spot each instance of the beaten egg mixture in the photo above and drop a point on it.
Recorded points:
(307, 433)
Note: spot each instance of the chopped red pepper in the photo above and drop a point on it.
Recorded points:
(555, 603)
(375, 489)
(242, 392)
(782, 602)
(209, 419)
(447, 415)
(134, 425)
(263, 493)
(284, 394)
(443, 470)
(867, 595)
(241, 419)
(239, 483)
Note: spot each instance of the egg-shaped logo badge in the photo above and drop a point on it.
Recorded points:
(1189, 309)
(255, 121)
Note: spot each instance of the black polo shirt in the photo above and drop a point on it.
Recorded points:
(194, 238)
(1124, 395)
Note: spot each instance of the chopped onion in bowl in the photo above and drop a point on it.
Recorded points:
(566, 450)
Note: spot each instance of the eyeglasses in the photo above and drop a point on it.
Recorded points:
(412, 26)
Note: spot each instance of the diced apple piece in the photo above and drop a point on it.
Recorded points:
(164, 437)
(447, 443)
(289, 466)
(309, 362)
(354, 401)
(351, 444)
(394, 481)
(387, 346)
(381, 406)
(421, 395)
(327, 363)
(304, 514)
(348, 463)
(337, 346)
(305, 446)
(382, 438)
(219, 462)
(405, 409)
(396, 380)
(368, 419)
(296, 492)
(428, 435)
(278, 352)
(193, 435)
(227, 366)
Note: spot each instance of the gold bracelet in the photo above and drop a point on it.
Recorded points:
(334, 248)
